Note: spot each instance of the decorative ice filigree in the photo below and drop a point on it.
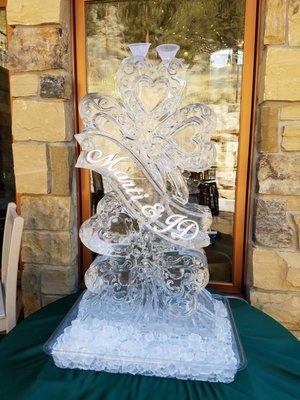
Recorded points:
(150, 237)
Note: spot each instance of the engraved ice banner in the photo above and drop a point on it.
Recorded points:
(143, 194)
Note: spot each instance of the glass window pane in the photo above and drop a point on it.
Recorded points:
(210, 33)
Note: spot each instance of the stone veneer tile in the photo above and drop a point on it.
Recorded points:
(294, 22)
(37, 48)
(50, 298)
(55, 86)
(30, 167)
(58, 280)
(291, 138)
(283, 306)
(275, 22)
(282, 74)
(268, 129)
(31, 288)
(36, 12)
(61, 161)
(276, 270)
(47, 212)
(297, 222)
(46, 121)
(279, 174)
(53, 248)
(24, 84)
(271, 224)
(292, 202)
(290, 111)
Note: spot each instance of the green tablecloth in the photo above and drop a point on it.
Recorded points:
(27, 373)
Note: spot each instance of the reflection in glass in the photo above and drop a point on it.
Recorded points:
(211, 43)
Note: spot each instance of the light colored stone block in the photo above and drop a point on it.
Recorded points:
(291, 138)
(61, 160)
(46, 121)
(30, 167)
(268, 130)
(36, 12)
(58, 280)
(38, 48)
(294, 22)
(276, 270)
(282, 306)
(53, 248)
(279, 174)
(275, 22)
(282, 74)
(52, 213)
(24, 84)
(31, 288)
(290, 112)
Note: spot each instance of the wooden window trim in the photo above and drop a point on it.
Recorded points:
(245, 152)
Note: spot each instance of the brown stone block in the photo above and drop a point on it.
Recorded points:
(30, 167)
(271, 224)
(38, 48)
(50, 298)
(58, 280)
(53, 248)
(47, 212)
(31, 288)
(61, 161)
(55, 86)
(275, 21)
(279, 174)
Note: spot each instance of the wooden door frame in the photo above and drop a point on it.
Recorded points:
(245, 149)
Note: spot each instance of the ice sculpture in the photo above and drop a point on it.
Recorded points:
(146, 309)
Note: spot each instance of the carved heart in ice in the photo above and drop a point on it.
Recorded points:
(151, 94)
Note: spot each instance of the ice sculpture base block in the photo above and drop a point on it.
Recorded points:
(105, 344)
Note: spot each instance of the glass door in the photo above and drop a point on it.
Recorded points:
(217, 41)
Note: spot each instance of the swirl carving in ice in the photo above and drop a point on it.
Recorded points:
(149, 237)
(146, 310)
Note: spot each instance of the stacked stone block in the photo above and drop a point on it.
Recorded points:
(276, 247)
(44, 148)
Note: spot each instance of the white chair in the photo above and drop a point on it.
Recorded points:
(9, 268)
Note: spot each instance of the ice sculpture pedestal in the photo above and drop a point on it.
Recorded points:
(89, 338)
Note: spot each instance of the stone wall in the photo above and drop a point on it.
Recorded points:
(43, 149)
(276, 247)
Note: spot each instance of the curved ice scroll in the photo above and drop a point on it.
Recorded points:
(150, 237)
